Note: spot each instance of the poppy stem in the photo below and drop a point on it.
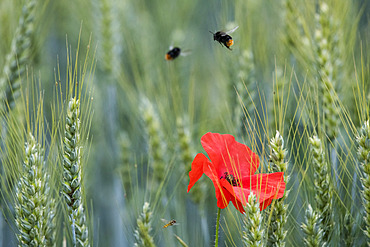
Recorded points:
(217, 226)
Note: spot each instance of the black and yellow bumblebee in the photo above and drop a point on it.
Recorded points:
(224, 38)
(173, 53)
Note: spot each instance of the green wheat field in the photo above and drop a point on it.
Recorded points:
(99, 131)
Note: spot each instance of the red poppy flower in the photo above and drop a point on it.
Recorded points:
(231, 170)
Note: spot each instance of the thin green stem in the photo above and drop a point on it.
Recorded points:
(217, 226)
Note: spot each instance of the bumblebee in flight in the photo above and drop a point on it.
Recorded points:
(224, 38)
(173, 53)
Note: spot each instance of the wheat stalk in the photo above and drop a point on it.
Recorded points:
(19, 56)
(186, 157)
(34, 209)
(311, 228)
(253, 230)
(72, 184)
(276, 229)
(246, 89)
(142, 232)
(324, 63)
(155, 137)
(125, 148)
(323, 188)
(363, 154)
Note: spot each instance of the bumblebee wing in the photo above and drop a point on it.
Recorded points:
(185, 53)
(232, 30)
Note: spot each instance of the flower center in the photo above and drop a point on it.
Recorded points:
(230, 178)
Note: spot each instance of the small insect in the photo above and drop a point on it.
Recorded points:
(230, 178)
(169, 223)
(173, 53)
(224, 38)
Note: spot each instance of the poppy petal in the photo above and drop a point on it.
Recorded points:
(223, 198)
(265, 186)
(238, 205)
(228, 155)
(234, 199)
(222, 195)
(197, 169)
(229, 188)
